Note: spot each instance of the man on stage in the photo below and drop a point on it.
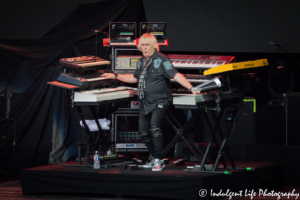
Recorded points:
(153, 73)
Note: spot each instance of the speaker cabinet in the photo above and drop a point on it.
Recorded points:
(244, 131)
(292, 118)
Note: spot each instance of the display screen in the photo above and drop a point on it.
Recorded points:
(133, 62)
(158, 29)
(122, 31)
(126, 59)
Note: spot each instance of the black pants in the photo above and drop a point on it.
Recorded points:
(150, 129)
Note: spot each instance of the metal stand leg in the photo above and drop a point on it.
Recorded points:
(224, 139)
(223, 146)
(90, 134)
(79, 154)
(180, 135)
(87, 154)
(212, 140)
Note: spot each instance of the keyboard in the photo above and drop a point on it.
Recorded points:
(79, 79)
(198, 61)
(195, 78)
(104, 94)
(83, 62)
(191, 99)
(233, 67)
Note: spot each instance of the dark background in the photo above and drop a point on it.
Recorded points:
(193, 25)
(36, 34)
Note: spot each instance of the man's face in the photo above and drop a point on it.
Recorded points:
(147, 49)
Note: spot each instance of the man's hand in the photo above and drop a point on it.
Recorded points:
(184, 82)
(196, 93)
(108, 76)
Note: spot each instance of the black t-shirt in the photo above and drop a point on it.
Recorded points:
(157, 81)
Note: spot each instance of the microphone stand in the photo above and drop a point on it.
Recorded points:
(96, 41)
(293, 58)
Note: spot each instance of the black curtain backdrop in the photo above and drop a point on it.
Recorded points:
(45, 124)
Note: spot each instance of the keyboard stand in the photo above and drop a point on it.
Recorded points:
(215, 131)
(181, 134)
(223, 146)
(101, 134)
(92, 141)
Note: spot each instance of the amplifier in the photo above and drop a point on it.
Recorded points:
(124, 60)
(127, 62)
(129, 145)
(125, 131)
(292, 118)
(129, 105)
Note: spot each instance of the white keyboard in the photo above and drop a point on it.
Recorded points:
(96, 79)
(194, 80)
(106, 62)
(191, 99)
(104, 94)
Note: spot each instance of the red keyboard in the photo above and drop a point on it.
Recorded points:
(199, 61)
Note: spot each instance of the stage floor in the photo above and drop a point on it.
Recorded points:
(172, 182)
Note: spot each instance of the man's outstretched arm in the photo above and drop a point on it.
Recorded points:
(128, 78)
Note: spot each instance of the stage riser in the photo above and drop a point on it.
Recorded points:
(171, 183)
(287, 155)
